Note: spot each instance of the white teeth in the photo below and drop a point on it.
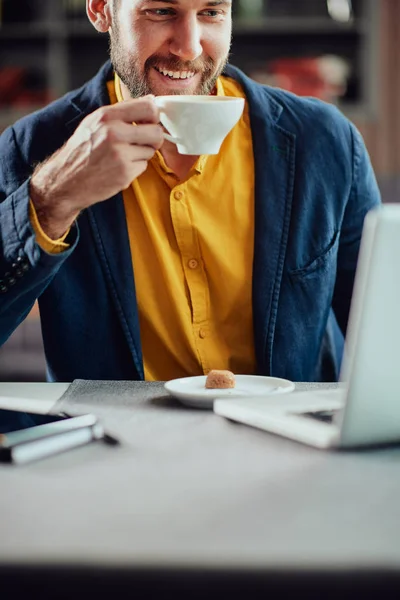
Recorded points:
(176, 74)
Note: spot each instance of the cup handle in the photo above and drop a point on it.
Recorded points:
(171, 139)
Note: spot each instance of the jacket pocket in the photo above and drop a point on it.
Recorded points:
(319, 264)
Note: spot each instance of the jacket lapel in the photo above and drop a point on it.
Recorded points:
(108, 223)
(274, 154)
(274, 164)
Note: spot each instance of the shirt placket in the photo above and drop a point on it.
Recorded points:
(193, 268)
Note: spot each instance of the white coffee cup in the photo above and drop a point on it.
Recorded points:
(199, 124)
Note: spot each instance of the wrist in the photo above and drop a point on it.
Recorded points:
(54, 213)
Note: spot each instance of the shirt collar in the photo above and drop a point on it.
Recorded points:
(118, 91)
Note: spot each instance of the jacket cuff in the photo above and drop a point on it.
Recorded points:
(18, 236)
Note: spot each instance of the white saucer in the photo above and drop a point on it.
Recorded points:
(192, 391)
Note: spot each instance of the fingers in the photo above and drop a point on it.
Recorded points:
(138, 153)
(141, 110)
(140, 135)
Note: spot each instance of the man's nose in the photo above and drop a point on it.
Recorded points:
(186, 42)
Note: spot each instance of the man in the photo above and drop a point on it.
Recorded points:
(149, 264)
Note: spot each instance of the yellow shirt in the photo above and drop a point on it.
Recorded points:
(192, 245)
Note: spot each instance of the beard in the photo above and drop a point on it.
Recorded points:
(137, 79)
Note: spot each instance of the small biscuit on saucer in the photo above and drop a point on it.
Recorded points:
(220, 380)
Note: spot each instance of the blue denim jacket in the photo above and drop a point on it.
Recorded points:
(314, 185)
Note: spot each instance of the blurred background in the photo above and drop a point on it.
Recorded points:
(343, 51)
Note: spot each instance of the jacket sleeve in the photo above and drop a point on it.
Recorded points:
(364, 196)
(25, 268)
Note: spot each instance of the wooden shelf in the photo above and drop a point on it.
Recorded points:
(270, 26)
(279, 26)
(24, 31)
(255, 40)
(81, 28)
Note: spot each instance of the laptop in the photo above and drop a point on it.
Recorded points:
(365, 410)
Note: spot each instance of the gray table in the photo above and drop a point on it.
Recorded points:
(191, 500)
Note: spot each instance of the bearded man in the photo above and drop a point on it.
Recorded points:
(151, 265)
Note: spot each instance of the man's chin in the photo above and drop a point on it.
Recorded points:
(198, 90)
(177, 92)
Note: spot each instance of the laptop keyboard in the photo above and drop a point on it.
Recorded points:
(326, 416)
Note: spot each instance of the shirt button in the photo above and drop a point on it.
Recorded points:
(202, 333)
(193, 263)
(178, 195)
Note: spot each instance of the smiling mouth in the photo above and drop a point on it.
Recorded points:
(176, 75)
